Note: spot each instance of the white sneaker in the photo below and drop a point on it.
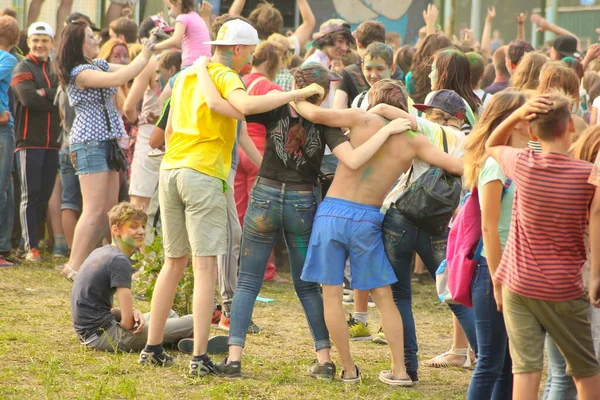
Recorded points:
(33, 255)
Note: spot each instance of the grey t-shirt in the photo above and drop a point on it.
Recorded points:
(106, 269)
(67, 113)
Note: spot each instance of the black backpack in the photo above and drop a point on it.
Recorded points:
(432, 199)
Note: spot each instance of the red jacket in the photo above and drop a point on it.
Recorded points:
(37, 120)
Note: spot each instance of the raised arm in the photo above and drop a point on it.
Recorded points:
(205, 11)
(430, 15)
(249, 105)
(521, 19)
(90, 78)
(527, 112)
(304, 31)
(544, 25)
(336, 118)
(173, 41)
(486, 37)
(433, 155)
(237, 7)
(356, 158)
(138, 88)
(249, 147)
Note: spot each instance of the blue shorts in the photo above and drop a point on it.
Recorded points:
(90, 157)
(344, 229)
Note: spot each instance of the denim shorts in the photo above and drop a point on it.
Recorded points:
(90, 157)
(347, 230)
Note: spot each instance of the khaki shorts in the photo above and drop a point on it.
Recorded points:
(527, 321)
(193, 212)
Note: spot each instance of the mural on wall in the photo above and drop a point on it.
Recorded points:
(402, 16)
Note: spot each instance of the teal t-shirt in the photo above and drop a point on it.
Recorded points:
(490, 172)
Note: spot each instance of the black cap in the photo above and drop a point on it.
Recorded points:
(77, 16)
(446, 100)
(566, 45)
(517, 49)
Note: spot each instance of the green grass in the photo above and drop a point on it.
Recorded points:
(42, 359)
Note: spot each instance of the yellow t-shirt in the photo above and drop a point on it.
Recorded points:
(201, 139)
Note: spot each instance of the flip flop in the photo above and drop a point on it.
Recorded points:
(216, 345)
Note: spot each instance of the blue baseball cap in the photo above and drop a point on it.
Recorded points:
(446, 100)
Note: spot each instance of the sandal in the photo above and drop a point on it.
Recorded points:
(70, 274)
(441, 361)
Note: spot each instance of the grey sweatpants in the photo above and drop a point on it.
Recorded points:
(118, 338)
(227, 265)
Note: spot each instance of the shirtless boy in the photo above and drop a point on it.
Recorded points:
(349, 224)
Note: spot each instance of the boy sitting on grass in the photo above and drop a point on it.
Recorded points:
(108, 270)
(348, 223)
(540, 271)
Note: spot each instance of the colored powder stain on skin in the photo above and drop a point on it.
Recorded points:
(366, 173)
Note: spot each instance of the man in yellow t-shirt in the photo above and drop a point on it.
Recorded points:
(207, 99)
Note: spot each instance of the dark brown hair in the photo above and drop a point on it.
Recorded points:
(170, 60)
(421, 67)
(266, 19)
(70, 51)
(126, 27)
(489, 74)
(454, 73)
(312, 72)
(388, 91)
(9, 12)
(331, 39)
(404, 57)
(369, 32)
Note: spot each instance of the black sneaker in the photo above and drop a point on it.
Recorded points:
(161, 360)
(231, 370)
(202, 367)
(322, 371)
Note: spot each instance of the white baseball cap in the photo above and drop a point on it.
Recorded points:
(40, 28)
(236, 32)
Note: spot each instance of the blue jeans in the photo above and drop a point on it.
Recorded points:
(269, 211)
(492, 378)
(401, 238)
(559, 386)
(71, 191)
(7, 200)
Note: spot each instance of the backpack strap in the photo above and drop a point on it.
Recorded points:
(444, 143)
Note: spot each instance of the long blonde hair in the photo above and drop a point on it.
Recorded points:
(499, 108)
(527, 74)
(587, 146)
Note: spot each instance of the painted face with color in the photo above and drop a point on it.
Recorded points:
(119, 55)
(376, 69)
(433, 75)
(131, 234)
(242, 56)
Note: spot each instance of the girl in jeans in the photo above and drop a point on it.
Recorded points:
(493, 377)
(283, 199)
(91, 85)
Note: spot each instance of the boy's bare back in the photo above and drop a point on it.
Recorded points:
(370, 183)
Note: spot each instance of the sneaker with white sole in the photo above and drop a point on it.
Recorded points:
(34, 255)
(387, 378)
(354, 380)
(150, 358)
(201, 366)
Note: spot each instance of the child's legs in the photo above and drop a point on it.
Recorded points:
(335, 318)
(392, 326)
(559, 385)
(526, 342)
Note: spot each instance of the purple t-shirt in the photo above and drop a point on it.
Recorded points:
(196, 33)
(496, 87)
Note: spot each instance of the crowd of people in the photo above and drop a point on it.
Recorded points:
(221, 134)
